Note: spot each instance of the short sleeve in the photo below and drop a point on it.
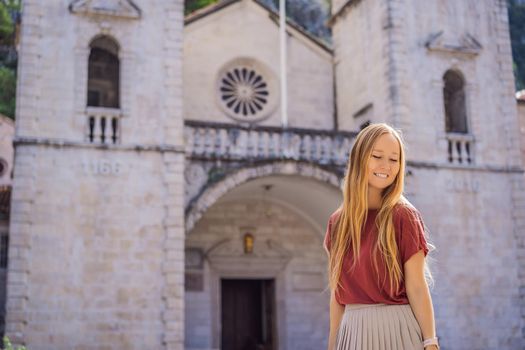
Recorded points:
(412, 234)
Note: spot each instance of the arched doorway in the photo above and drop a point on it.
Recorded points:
(273, 296)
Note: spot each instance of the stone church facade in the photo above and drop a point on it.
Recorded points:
(157, 202)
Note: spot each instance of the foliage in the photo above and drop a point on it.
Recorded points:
(9, 12)
(312, 15)
(9, 346)
(13, 6)
(9, 9)
(309, 14)
(193, 5)
(6, 23)
(517, 36)
(7, 91)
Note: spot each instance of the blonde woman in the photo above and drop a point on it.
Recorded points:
(376, 248)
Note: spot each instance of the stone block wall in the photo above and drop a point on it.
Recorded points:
(476, 262)
(360, 63)
(86, 251)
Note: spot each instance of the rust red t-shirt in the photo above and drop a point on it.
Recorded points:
(363, 285)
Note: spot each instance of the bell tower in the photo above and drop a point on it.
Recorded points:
(441, 71)
(97, 226)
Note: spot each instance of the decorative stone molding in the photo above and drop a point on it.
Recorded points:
(267, 255)
(112, 8)
(465, 45)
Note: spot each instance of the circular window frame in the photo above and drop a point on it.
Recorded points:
(267, 77)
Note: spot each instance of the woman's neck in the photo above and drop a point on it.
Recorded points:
(374, 198)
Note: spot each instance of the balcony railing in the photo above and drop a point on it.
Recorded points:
(103, 125)
(208, 140)
(460, 148)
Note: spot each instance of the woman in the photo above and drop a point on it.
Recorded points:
(376, 246)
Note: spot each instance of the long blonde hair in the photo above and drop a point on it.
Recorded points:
(353, 211)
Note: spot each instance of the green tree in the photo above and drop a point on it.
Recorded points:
(309, 14)
(6, 23)
(9, 12)
(517, 37)
(7, 91)
(9, 346)
(193, 5)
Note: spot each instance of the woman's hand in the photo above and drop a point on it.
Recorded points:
(431, 347)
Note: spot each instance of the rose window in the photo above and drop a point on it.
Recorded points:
(244, 92)
(247, 90)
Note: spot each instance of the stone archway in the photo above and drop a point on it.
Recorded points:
(212, 192)
(285, 205)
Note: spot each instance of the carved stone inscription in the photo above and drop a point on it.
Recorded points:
(103, 167)
(462, 184)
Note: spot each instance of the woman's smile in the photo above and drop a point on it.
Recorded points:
(381, 175)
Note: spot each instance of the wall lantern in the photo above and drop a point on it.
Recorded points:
(248, 243)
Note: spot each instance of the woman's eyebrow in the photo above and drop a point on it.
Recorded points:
(381, 151)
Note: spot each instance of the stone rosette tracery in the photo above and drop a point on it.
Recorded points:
(246, 90)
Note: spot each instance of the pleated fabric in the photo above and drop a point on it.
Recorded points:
(378, 327)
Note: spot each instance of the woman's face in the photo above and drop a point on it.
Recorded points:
(383, 165)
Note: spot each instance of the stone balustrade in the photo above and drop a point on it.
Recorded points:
(207, 140)
(460, 148)
(103, 125)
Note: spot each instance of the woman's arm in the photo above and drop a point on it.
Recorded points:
(336, 313)
(419, 296)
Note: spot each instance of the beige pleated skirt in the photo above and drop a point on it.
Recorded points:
(378, 327)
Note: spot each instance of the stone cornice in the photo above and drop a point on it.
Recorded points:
(112, 8)
(478, 168)
(465, 45)
(58, 143)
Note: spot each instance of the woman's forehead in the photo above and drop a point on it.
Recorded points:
(386, 143)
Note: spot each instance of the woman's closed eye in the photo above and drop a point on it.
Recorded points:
(379, 157)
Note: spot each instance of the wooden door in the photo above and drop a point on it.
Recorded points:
(247, 314)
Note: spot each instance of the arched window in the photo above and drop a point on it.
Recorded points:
(454, 99)
(103, 74)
